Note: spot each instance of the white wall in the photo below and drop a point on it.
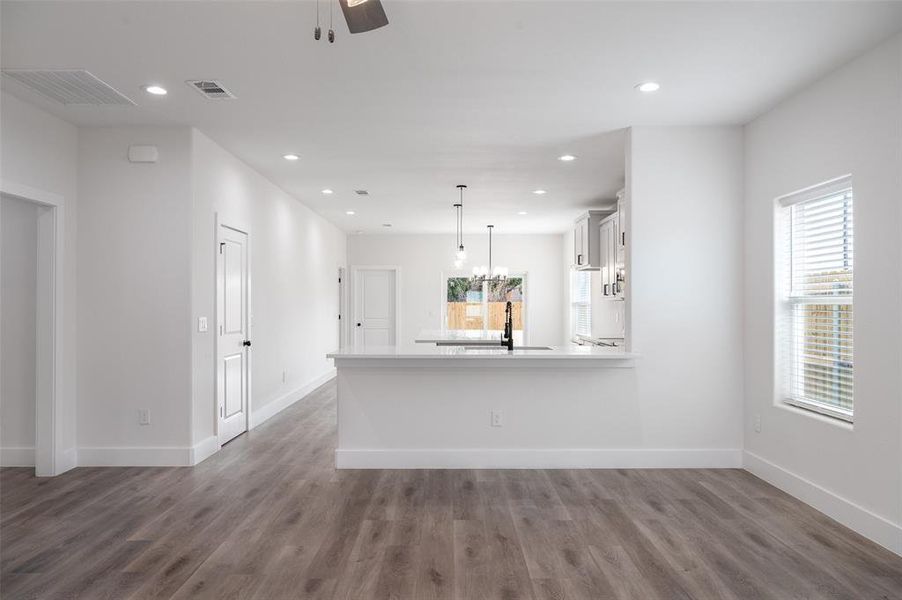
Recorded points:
(39, 150)
(295, 256)
(18, 303)
(424, 259)
(849, 122)
(684, 282)
(134, 285)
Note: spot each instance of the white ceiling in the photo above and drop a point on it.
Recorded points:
(485, 93)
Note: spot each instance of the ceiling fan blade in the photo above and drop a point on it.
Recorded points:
(363, 16)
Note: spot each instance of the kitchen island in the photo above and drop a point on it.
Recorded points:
(431, 406)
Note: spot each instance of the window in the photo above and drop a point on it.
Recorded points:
(817, 274)
(580, 303)
(479, 306)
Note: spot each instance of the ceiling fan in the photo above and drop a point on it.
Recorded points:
(361, 16)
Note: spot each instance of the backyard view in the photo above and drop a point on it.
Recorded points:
(480, 305)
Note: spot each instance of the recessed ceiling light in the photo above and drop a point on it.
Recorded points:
(522, 212)
(349, 212)
(566, 157)
(156, 90)
(290, 156)
(649, 86)
(327, 191)
(539, 192)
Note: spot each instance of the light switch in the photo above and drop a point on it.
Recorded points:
(202, 324)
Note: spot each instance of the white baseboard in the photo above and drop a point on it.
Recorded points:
(554, 458)
(855, 517)
(283, 401)
(204, 449)
(17, 456)
(136, 457)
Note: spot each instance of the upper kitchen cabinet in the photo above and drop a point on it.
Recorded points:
(586, 246)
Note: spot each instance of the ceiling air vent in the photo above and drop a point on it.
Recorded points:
(211, 89)
(68, 86)
(361, 192)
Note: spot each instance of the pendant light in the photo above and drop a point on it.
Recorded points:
(460, 253)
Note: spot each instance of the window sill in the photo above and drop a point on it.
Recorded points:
(813, 412)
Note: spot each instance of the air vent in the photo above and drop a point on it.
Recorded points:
(361, 192)
(211, 89)
(69, 87)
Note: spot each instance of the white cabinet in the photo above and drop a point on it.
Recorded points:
(608, 232)
(586, 251)
(612, 243)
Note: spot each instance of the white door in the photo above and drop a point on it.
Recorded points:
(234, 344)
(374, 307)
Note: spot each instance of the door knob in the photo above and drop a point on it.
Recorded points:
(246, 343)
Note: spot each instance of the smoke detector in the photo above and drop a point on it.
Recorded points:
(212, 89)
(69, 86)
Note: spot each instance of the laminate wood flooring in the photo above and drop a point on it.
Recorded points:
(268, 517)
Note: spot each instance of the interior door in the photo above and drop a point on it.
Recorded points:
(233, 348)
(374, 307)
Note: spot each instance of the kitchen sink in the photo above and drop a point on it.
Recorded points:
(502, 348)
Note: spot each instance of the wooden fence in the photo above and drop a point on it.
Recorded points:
(458, 319)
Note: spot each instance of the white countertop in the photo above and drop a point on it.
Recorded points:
(461, 353)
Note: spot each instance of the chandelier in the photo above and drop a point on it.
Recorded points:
(489, 273)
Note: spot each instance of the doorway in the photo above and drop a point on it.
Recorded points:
(233, 332)
(43, 403)
(18, 318)
(375, 306)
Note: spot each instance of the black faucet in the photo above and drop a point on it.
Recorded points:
(507, 338)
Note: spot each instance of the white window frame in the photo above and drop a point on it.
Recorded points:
(575, 304)
(524, 340)
(787, 336)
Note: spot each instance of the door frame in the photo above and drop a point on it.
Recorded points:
(51, 395)
(343, 312)
(218, 223)
(355, 272)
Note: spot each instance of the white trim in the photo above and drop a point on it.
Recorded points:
(343, 313)
(204, 449)
(855, 517)
(353, 299)
(50, 458)
(816, 191)
(173, 456)
(17, 457)
(25, 192)
(551, 458)
(283, 401)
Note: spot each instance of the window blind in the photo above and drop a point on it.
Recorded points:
(818, 285)
(580, 303)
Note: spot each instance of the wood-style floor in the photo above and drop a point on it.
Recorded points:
(268, 517)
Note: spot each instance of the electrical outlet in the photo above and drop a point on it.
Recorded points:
(758, 423)
(143, 416)
(202, 324)
(496, 418)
